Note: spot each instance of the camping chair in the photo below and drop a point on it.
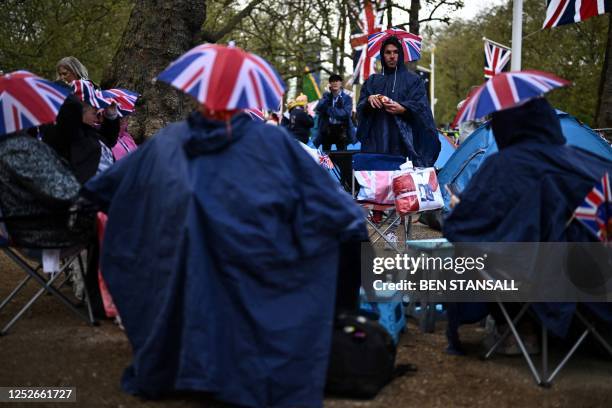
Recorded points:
(380, 194)
(544, 377)
(30, 262)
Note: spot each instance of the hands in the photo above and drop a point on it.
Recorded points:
(375, 102)
(381, 101)
(110, 112)
(394, 108)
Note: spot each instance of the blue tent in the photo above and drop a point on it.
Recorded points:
(446, 152)
(480, 144)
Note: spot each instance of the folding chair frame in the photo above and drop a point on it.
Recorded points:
(46, 284)
(542, 377)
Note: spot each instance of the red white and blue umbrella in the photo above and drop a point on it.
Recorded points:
(411, 43)
(507, 90)
(225, 78)
(27, 100)
(86, 91)
(125, 100)
(256, 114)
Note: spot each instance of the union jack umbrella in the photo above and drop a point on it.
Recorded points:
(225, 78)
(506, 90)
(411, 44)
(595, 212)
(27, 100)
(125, 100)
(256, 114)
(85, 90)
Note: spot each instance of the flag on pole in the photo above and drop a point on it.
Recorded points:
(310, 85)
(497, 57)
(560, 12)
(368, 22)
(595, 212)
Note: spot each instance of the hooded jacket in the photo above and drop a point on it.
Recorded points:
(221, 254)
(412, 134)
(527, 192)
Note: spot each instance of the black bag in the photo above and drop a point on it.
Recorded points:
(362, 359)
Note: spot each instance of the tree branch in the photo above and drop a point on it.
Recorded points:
(233, 22)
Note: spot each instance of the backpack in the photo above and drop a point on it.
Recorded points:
(362, 358)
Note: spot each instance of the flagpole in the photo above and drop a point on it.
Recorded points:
(496, 43)
(432, 91)
(517, 34)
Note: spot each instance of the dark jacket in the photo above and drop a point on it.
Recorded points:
(78, 143)
(299, 124)
(527, 192)
(341, 111)
(36, 191)
(241, 229)
(412, 134)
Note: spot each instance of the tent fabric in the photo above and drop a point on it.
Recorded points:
(446, 151)
(221, 253)
(470, 155)
(528, 191)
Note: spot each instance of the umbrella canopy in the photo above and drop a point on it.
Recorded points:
(27, 100)
(125, 100)
(469, 156)
(86, 91)
(256, 114)
(225, 78)
(410, 43)
(507, 90)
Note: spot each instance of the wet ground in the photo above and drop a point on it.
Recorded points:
(51, 347)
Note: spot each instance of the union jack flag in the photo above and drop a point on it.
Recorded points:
(27, 100)
(560, 12)
(85, 90)
(125, 100)
(496, 58)
(368, 23)
(595, 212)
(255, 114)
(225, 78)
(325, 161)
(411, 44)
(507, 90)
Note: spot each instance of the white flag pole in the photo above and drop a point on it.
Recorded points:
(432, 91)
(517, 34)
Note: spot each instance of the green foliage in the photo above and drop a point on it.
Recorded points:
(35, 34)
(574, 52)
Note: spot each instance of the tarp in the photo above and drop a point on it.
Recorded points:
(468, 157)
(221, 253)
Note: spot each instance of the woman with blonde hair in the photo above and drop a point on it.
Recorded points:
(70, 69)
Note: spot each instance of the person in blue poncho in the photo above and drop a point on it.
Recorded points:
(221, 253)
(394, 116)
(527, 192)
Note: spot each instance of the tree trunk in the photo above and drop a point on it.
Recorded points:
(413, 24)
(157, 33)
(604, 106)
(413, 21)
